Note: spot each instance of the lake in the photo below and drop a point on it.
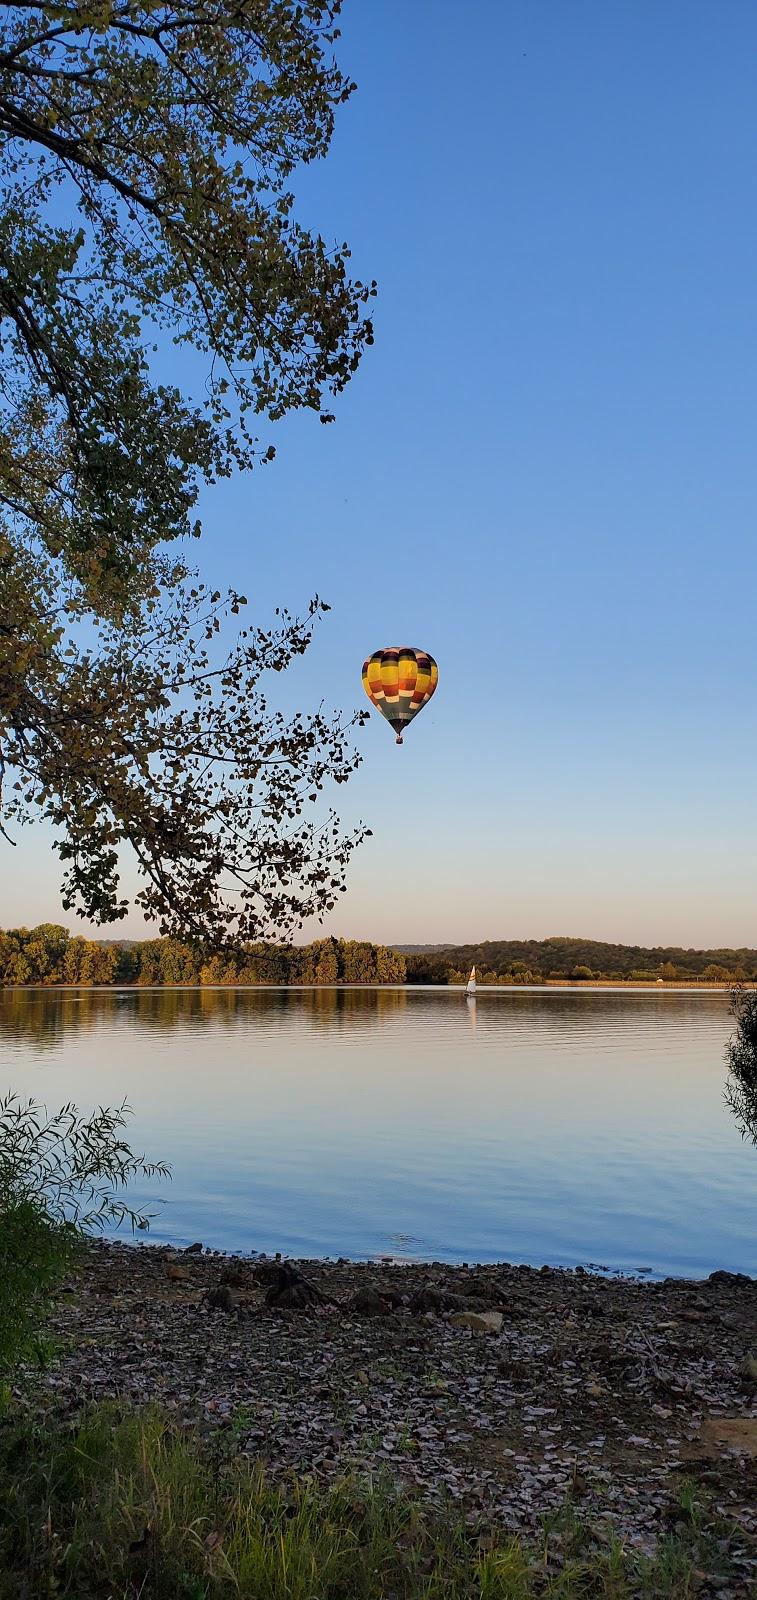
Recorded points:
(528, 1126)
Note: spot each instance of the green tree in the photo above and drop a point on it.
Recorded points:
(356, 961)
(147, 152)
(127, 964)
(100, 961)
(18, 968)
(149, 968)
(144, 203)
(178, 962)
(319, 962)
(73, 960)
(390, 965)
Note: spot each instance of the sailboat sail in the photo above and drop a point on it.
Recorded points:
(471, 989)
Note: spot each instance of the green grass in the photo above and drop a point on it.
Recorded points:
(126, 1507)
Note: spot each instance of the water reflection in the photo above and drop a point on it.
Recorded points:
(44, 1016)
(525, 1125)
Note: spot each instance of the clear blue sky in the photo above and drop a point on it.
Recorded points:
(544, 472)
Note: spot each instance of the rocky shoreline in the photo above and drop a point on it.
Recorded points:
(513, 1390)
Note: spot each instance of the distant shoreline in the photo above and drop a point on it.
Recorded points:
(48, 957)
(572, 986)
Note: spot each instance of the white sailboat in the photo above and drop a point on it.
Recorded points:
(471, 986)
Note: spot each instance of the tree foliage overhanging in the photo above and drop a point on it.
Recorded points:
(146, 154)
(144, 204)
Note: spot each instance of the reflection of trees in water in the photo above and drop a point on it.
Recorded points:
(45, 1017)
(741, 1055)
(558, 1013)
(337, 1007)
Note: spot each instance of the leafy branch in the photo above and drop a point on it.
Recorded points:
(75, 1168)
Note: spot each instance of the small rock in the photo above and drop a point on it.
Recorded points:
(194, 1249)
(429, 1298)
(221, 1299)
(177, 1274)
(291, 1291)
(368, 1302)
(748, 1370)
(234, 1275)
(486, 1289)
(479, 1321)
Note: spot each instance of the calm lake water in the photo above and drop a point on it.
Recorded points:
(537, 1126)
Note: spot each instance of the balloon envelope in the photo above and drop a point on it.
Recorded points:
(399, 682)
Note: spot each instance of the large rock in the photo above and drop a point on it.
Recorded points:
(486, 1288)
(479, 1321)
(724, 1277)
(291, 1291)
(431, 1298)
(236, 1275)
(222, 1299)
(369, 1302)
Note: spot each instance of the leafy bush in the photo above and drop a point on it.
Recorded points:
(741, 1087)
(62, 1176)
(33, 1258)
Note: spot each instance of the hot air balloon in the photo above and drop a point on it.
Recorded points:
(399, 682)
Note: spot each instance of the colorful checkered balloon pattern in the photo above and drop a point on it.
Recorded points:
(399, 682)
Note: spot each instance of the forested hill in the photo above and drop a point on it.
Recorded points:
(48, 955)
(536, 960)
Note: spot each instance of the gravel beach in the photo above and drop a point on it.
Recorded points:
(513, 1390)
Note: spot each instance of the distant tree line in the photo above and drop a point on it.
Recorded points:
(48, 955)
(516, 961)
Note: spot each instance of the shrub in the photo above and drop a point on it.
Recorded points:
(62, 1176)
(741, 1054)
